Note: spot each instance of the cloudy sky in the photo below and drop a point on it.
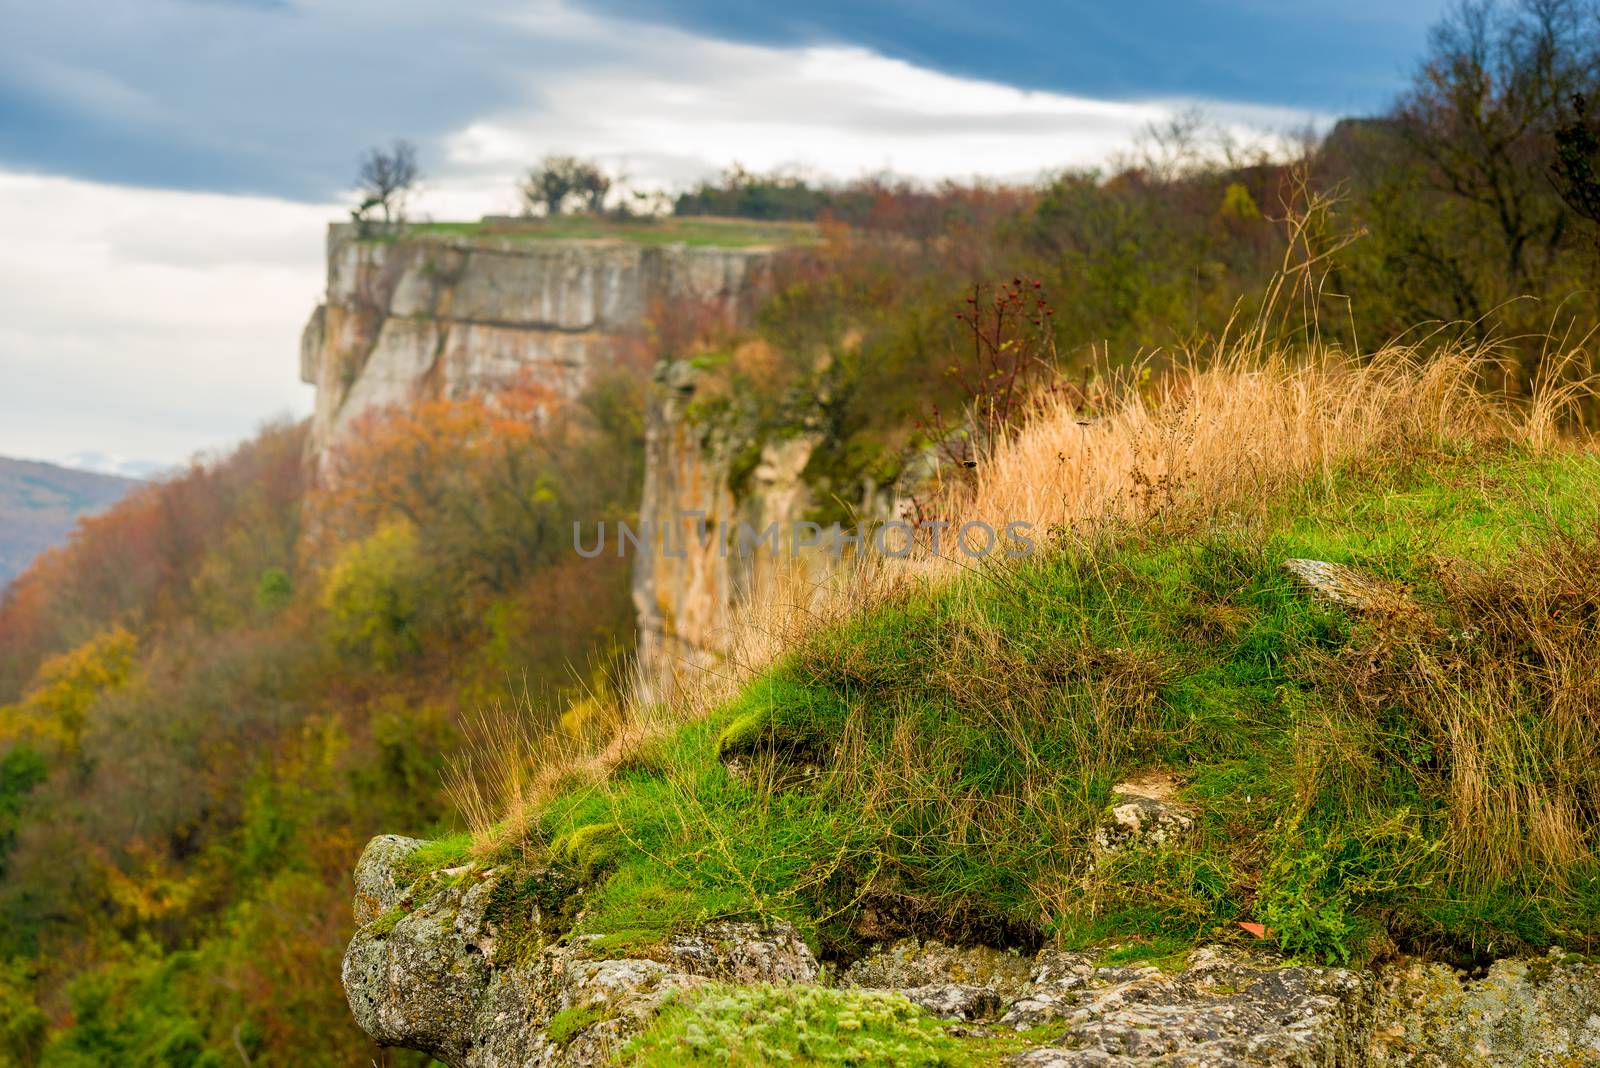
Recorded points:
(167, 166)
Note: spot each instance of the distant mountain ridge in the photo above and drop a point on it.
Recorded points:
(41, 502)
(105, 464)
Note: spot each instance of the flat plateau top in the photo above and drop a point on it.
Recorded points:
(669, 230)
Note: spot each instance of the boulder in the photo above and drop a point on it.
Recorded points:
(429, 968)
(438, 966)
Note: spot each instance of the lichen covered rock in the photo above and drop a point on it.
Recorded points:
(438, 965)
(1226, 1007)
(1145, 813)
(909, 963)
(1543, 1011)
(376, 889)
(428, 969)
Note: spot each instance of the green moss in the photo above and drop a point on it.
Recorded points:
(569, 1023)
(590, 850)
(531, 907)
(382, 925)
(767, 1025)
(778, 715)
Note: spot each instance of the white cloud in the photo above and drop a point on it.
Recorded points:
(149, 324)
(668, 108)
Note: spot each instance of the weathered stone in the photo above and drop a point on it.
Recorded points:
(744, 953)
(954, 1001)
(376, 890)
(432, 314)
(1143, 812)
(415, 984)
(430, 979)
(423, 973)
(1228, 1007)
(1543, 1011)
(1052, 989)
(909, 964)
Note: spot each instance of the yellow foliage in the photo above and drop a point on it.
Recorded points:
(374, 593)
(1237, 203)
(57, 705)
(153, 887)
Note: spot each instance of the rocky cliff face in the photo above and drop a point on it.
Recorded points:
(442, 314)
(689, 584)
(434, 967)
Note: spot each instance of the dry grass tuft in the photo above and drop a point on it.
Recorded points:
(1218, 437)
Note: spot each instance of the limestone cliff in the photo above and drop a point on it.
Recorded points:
(688, 585)
(446, 312)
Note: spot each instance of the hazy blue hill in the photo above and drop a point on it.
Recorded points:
(40, 502)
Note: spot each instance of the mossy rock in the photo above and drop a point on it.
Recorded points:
(384, 924)
(590, 851)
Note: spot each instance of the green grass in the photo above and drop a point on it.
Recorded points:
(438, 854)
(692, 231)
(970, 736)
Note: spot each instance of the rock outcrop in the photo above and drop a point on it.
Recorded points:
(439, 965)
(430, 967)
(690, 580)
(441, 313)
(428, 314)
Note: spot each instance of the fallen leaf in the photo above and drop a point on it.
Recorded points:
(1255, 928)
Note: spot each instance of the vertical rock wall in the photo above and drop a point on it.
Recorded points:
(431, 314)
(694, 572)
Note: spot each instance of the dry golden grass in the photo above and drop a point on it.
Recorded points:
(1223, 435)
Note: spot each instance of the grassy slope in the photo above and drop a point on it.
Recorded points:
(970, 736)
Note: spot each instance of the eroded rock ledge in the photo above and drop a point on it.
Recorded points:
(431, 968)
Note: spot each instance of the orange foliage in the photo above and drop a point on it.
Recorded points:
(135, 564)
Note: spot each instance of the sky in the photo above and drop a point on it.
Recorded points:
(167, 167)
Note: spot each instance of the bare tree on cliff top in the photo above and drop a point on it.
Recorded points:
(384, 180)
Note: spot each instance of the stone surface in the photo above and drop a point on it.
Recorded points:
(425, 971)
(1541, 1011)
(432, 979)
(955, 1001)
(376, 890)
(743, 953)
(909, 963)
(1226, 1007)
(685, 599)
(1144, 812)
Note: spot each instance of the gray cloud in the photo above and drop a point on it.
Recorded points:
(280, 96)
